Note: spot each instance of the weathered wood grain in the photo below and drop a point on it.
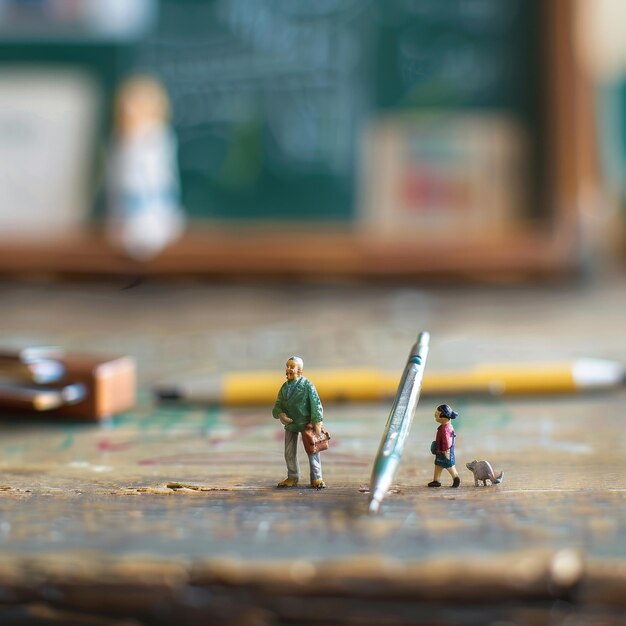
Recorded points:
(170, 511)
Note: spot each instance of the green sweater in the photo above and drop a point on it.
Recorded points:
(303, 406)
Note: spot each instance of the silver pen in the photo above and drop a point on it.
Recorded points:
(399, 423)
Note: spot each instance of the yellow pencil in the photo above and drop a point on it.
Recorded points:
(370, 385)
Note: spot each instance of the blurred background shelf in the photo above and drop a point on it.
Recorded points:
(298, 254)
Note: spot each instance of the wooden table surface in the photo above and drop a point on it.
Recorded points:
(170, 513)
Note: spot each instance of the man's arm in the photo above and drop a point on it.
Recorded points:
(278, 412)
(317, 410)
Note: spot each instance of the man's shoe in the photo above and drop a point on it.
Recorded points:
(288, 482)
(456, 482)
(434, 483)
(318, 484)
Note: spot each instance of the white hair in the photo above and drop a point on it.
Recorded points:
(298, 360)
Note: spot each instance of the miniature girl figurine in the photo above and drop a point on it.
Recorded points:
(443, 446)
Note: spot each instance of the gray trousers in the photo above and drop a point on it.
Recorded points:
(291, 458)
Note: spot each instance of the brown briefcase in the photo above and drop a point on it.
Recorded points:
(315, 443)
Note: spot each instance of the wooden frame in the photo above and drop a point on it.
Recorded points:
(547, 246)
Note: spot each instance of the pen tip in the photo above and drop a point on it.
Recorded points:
(374, 506)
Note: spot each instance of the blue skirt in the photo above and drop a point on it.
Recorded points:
(442, 461)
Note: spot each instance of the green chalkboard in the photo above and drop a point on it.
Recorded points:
(271, 97)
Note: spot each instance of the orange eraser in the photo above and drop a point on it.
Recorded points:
(110, 385)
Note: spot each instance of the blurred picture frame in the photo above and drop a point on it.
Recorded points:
(443, 174)
(48, 134)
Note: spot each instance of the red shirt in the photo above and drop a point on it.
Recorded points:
(445, 437)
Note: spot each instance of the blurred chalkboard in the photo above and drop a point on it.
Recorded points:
(270, 96)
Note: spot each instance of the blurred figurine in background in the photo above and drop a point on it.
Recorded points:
(297, 405)
(144, 212)
(443, 446)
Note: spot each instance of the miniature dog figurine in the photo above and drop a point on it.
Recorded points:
(482, 470)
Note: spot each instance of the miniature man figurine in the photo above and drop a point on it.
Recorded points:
(298, 404)
(443, 446)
